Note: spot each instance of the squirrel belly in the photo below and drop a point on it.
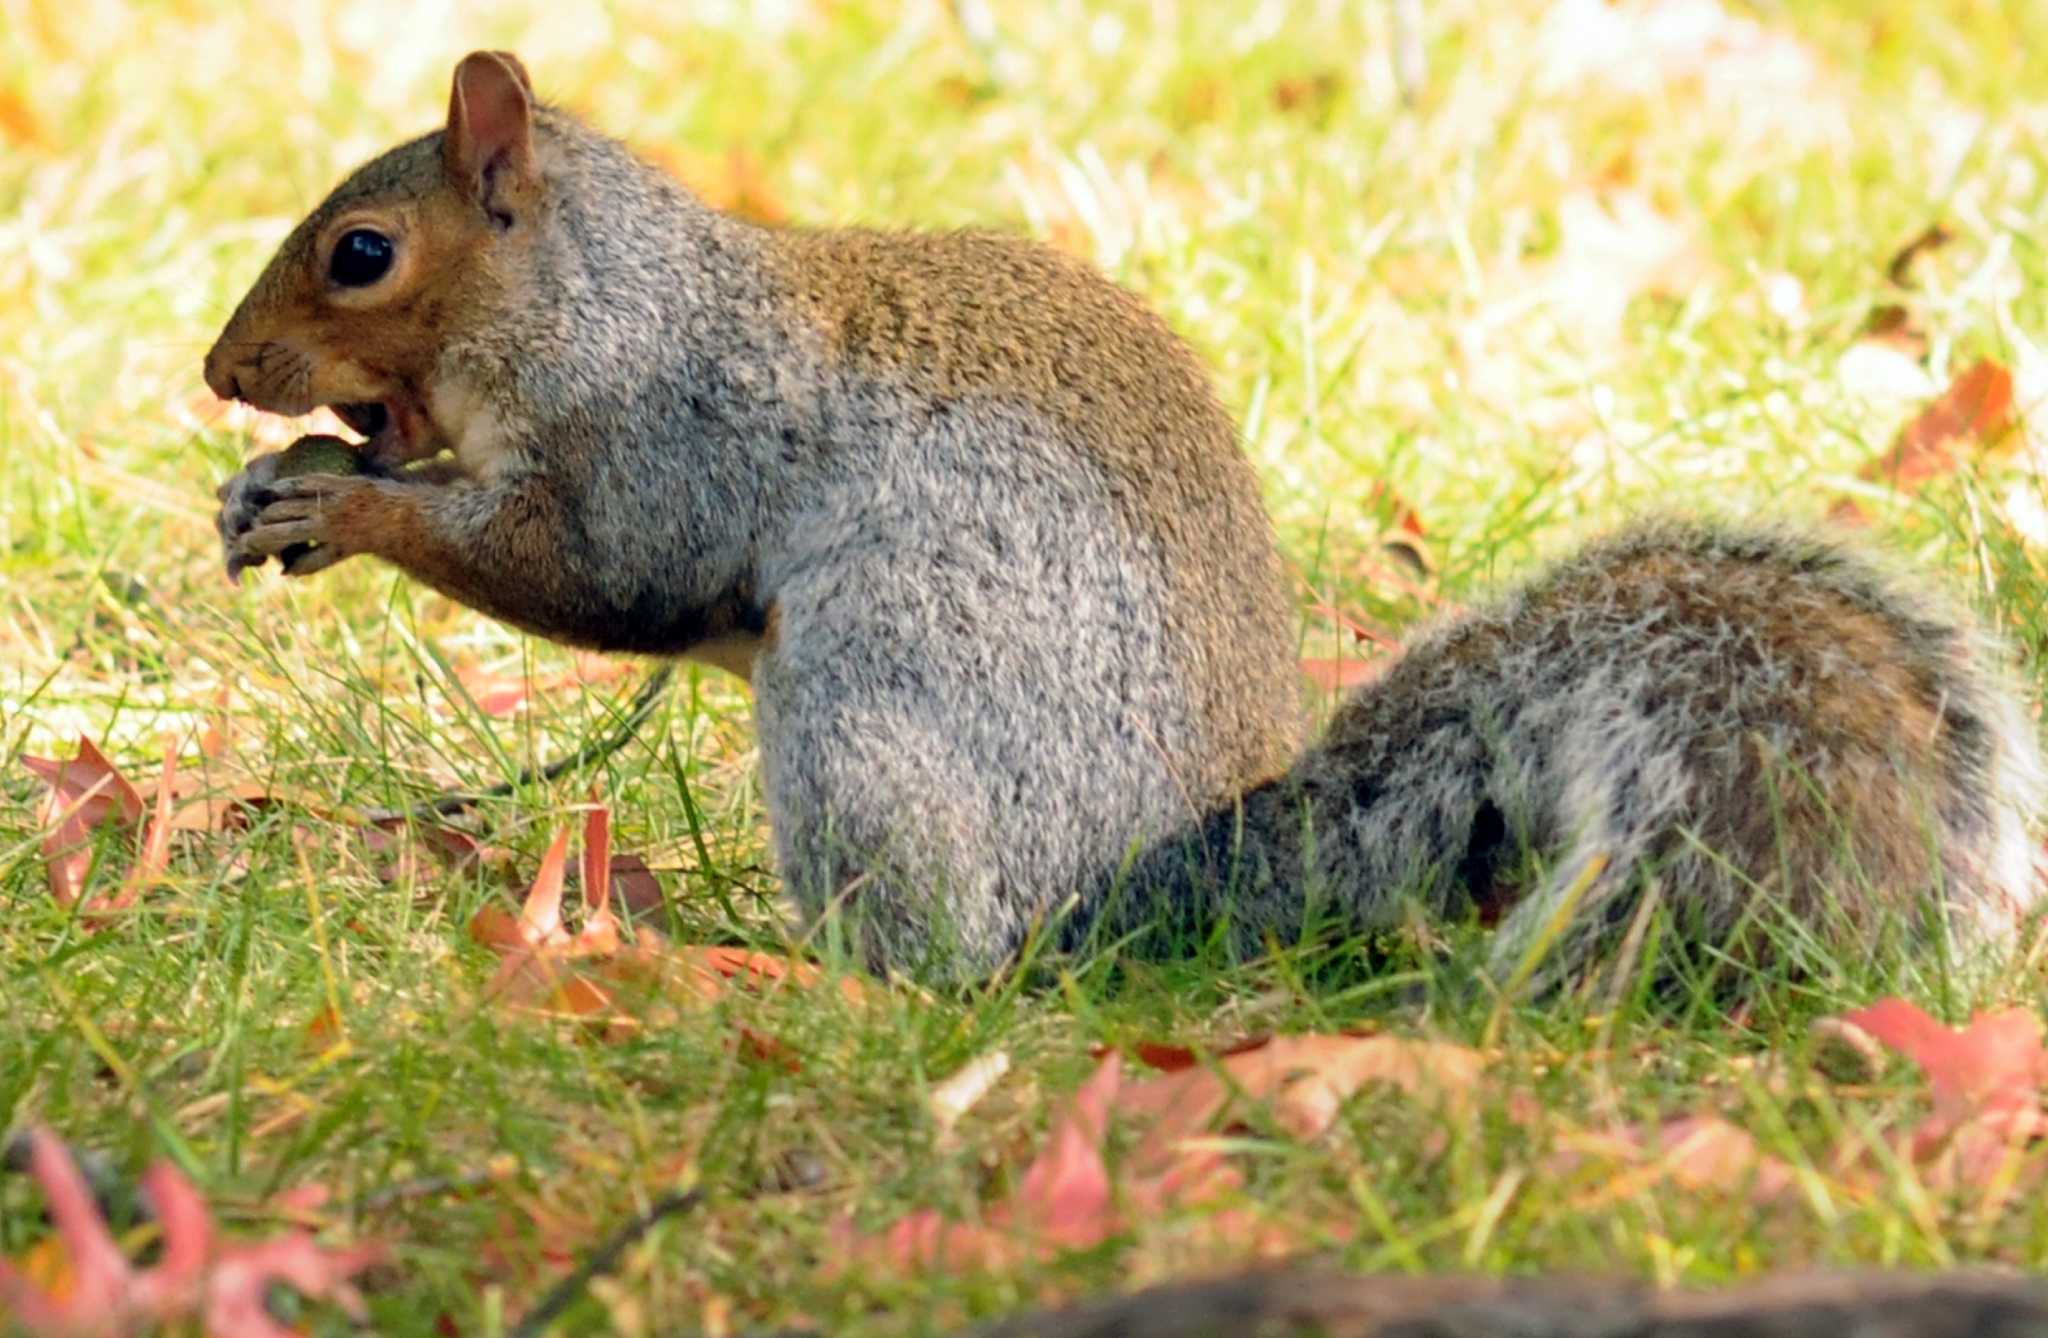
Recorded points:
(1799, 755)
(973, 522)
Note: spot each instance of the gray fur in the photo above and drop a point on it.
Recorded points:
(1757, 722)
(1021, 620)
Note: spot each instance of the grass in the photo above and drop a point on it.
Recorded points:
(1547, 296)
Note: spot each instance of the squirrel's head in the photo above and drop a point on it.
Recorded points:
(392, 268)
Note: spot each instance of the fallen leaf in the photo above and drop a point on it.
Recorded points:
(1975, 412)
(637, 889)
(88, 792)
(1064, 1197)
(18, 123)
(495, 694)
(592, 973)
(1066, 1200)
(403, 842)
(1062, 1202)
(758, 1045)
(1985, 1080)
(1698, 1153)
(1306, 1079)
(594, 670)
(197, 1276)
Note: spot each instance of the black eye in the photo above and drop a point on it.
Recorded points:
(361, 258)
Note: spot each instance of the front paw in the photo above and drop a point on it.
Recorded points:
(308, 522)
(242, 499)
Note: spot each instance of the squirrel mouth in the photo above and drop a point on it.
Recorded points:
(393, 428)
(368, 419)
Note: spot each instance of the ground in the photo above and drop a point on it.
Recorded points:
(1574, 262)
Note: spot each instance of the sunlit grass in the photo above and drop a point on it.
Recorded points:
(1547, 295)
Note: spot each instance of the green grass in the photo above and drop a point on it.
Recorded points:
(1367, 278)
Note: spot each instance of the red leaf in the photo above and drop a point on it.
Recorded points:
(1064, 1197)
(1986, 1081)
(639, 890)
(87, 792)
(1997, 1059)
(1975, 411)
(494, 694)
(196, 1276)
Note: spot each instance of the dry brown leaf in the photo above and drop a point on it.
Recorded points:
(88, 792)
(1306, 1079)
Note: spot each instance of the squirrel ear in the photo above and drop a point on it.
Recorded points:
(488, 148)
(518, 70)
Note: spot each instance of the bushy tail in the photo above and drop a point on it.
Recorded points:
(1786, 749)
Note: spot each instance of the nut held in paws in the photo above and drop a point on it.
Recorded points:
(319, 454)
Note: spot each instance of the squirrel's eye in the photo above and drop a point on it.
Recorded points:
(361, 258)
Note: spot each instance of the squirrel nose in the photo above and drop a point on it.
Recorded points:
(221, 374)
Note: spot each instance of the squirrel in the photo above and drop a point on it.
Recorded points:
(975, 527)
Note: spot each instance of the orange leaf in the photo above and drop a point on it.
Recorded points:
(540, 916)
(592, 971)
(156, 841)
(1975, 411)
(494, 694)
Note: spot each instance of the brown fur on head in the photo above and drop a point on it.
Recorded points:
(425, 232)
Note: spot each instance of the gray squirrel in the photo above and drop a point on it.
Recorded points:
(974, 525)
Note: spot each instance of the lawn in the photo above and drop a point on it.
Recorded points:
(1577, 262)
